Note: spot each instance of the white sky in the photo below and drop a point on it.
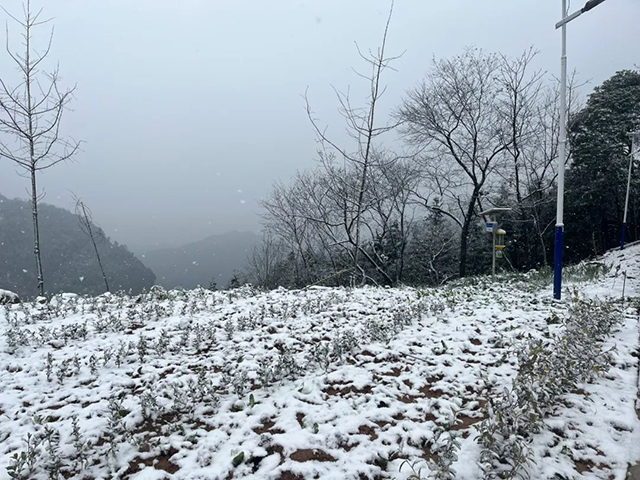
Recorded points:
(190, 109)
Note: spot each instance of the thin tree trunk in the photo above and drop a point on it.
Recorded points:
(104, 277)
(464, 236)
(36, 233)
(87, 222)
(32, 154)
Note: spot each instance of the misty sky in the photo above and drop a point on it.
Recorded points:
(191, 109)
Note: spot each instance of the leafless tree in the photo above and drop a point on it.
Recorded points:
(392, 213)
(94, 232)
(286, 220)
(363, 128)
(31, 115)
(453, 116)
(530, 108)
(266, 259)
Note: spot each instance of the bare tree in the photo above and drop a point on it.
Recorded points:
(531, 111)
(94, 232)
(265, 260)
(453, 117)
(392, 214)
(362, 127)
(31, 117)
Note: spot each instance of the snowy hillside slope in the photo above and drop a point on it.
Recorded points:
(319, 383)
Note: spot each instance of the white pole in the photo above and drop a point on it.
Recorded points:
(626, 200)
(562, 149)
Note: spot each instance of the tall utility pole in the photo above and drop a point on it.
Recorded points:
(562, 143)
(562, 155)
(635, 145)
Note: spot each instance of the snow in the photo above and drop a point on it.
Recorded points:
(410, 358)
(7, 296)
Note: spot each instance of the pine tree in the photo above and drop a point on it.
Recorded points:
(596, 181)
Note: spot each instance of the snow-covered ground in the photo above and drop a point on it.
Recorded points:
(318, 383)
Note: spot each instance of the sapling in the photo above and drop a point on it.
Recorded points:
(143, 348)
(162, 343)
(17, 465)
(148, 405)
(49, 367)
(76, 363)
(79, 444)
(54, 464)
(63, 369)
(115, 425)
(93, 364)
(184, 338)
(106, 355)
(229, 328)
(445, 446)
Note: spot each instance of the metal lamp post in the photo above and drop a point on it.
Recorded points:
(492, 213)
(635, 140)
(562, 143)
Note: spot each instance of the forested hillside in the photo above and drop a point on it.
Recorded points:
(69, 260)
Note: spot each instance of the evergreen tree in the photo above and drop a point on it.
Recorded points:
(596, 180)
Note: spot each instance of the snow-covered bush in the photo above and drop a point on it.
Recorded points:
(548, 369)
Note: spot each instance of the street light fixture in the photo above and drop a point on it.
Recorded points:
(562, 143)
(493, 213)
(635, 140)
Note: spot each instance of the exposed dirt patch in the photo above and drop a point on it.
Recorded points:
(427, 392)
(367, 430)
(308, 455)
(333, 390)
(267, 427)
(395, 372)
(588, 466)
(160, 462)
(407, 399)
(289, 475)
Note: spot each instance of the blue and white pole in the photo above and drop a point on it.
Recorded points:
(562, 143)
(562, 155)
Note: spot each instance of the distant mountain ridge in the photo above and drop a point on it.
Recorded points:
(215, 258)
(68, 259)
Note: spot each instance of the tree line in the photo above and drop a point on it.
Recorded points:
(479, 131)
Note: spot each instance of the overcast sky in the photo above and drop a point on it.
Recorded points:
(191, 109)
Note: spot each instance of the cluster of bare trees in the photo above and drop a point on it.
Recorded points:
(482, 132)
